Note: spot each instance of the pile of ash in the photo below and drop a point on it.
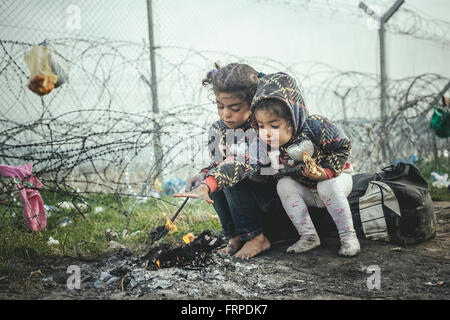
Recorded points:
(161, 267)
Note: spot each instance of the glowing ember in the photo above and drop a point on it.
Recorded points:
(189, 237)
(169, 224)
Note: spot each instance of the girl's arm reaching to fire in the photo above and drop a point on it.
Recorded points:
(230, 172)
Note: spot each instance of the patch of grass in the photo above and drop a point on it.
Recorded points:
(439, 194)
(442, 166)
(88, 237)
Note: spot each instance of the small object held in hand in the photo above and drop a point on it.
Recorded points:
(296, 151)
(302, 152)
(310, 164)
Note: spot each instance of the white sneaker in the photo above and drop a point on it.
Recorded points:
(305, 243)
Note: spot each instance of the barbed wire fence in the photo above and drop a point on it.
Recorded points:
(95, 135)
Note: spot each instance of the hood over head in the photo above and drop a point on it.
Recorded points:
(282, 87)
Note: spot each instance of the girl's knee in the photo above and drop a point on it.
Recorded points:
(328, 189)
(286, 185)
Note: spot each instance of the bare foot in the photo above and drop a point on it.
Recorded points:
(234, 244)
(253, 247)
(305, 243)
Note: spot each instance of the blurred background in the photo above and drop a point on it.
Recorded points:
(132, 118)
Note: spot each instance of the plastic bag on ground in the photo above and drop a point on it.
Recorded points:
(439, 180)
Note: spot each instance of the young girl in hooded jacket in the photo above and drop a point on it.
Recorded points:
(240, 206)
(285, 126)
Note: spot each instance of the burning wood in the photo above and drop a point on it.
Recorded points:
(170, 226)
(193, 254)
(188, 238)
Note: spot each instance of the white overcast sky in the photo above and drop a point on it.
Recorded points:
(278, 30)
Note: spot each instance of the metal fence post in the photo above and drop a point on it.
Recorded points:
(158, 150)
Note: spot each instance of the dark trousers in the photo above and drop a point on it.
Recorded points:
(250, 208)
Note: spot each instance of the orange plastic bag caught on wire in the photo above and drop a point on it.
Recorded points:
(48, 70)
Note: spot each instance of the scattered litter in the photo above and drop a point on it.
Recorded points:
(35, 273)
(69, 205)
(49, 282)
(397, 249)
(135, 233)
(193, 292)
(411, 160)
(48, 209)
(48, 69)
(52, 241)
(112, 280)
(437, 284)
(65, 222)
(105, 280)
(99, 284)
(98, 210)
(113, 245)
(173, 186)
(251, 267)
(155, 194)
(111, 234)
(156, 189)
(65, 205)
(105, 276)
(439, 180)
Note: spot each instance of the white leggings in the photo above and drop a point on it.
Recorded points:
(331, 194)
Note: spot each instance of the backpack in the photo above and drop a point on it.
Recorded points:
(393, 205)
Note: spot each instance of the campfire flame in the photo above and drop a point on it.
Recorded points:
(158, 263)
(188, 238)
(169, 224)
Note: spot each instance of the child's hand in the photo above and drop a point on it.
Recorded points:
(201, 192)
(323, 175)
(195, 181)
(312, 170)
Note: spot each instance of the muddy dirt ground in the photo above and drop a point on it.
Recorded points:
(416, 272)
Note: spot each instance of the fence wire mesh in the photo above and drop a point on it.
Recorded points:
(96, 134)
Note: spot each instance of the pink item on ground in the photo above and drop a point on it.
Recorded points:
(33, 206)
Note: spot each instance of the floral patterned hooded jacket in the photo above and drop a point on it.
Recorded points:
(331, 145)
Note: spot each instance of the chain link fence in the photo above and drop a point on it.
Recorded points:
(96, 134)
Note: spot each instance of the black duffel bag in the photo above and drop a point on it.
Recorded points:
(393, 205)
